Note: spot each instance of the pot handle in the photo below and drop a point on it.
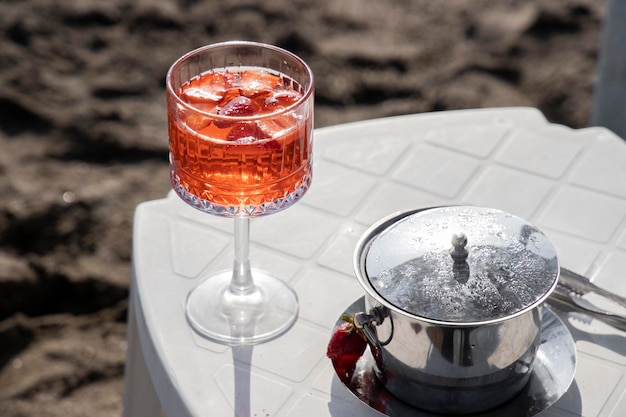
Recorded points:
(376, 317)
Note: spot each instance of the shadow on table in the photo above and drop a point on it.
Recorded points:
(242, 358)
(615, 342)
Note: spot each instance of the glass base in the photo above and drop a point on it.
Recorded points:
(216, 312)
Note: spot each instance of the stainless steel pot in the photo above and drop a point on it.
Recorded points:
(453, 298)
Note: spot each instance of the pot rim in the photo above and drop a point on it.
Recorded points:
(360, 254)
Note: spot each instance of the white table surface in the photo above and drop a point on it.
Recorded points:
(570, 183)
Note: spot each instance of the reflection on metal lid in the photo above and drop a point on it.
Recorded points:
(461, 264)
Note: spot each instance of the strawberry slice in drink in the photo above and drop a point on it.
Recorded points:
(251, 132)
(246, 132)
(239, 106)
(202, 95)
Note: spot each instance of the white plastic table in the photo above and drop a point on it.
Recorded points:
(570, 183)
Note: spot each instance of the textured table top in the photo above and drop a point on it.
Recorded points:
(570, 183)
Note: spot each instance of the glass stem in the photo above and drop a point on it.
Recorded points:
(241, 282)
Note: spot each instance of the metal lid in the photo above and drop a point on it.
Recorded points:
(461, 264)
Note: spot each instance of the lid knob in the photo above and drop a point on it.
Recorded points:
(458, 251)
(459, 254)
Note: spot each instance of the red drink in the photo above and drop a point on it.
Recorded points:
(240, 125)
(240, 141)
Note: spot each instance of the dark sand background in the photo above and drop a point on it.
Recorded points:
(83, 137)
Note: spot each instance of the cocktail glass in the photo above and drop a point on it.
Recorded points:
(240, 117)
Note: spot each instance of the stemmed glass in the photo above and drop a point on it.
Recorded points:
(240, 117)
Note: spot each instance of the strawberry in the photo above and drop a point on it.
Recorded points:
(246, 132)
(270, 145)
(239, 106)
(345, 347)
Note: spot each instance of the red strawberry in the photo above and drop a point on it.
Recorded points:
(345, 366)
(346, 340)
(270, 145)
(345, 347)
(246, 132)
(240, 106)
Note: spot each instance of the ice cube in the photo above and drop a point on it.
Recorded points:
(281, 99)
(255, 82)
(205, 94)
(196, 122)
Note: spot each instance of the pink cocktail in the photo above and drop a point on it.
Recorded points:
(239, 142)
(240, 118)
